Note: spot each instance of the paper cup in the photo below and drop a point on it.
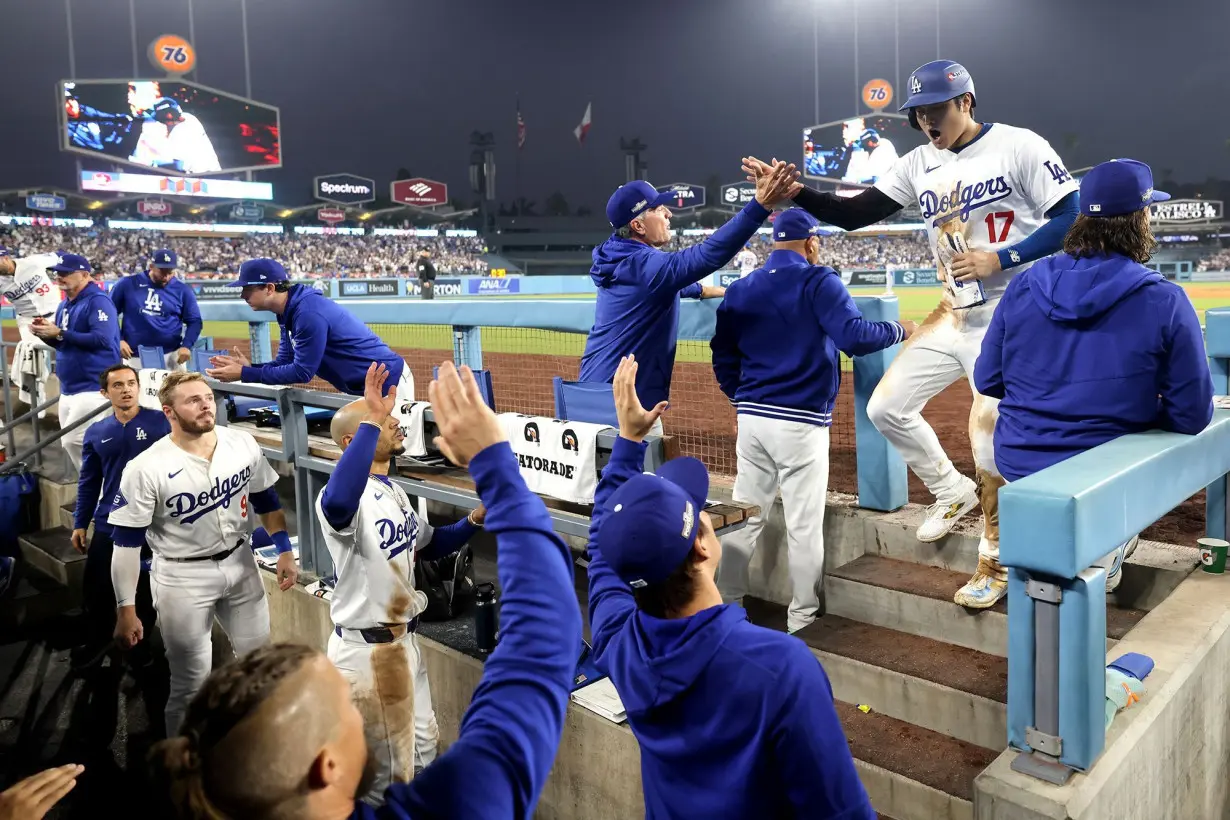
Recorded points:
(1213, 554)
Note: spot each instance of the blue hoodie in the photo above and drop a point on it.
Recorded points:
(511, 730)
(91, 340)
(638, 301)
(155, 316)
(1082, 351)
(313, 323)
(733, 720)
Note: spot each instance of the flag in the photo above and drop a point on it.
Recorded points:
(581, 130)
(520, 129)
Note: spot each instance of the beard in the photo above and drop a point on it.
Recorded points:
(398, 449)
(193, 426)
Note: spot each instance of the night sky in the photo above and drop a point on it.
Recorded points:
(368, 86)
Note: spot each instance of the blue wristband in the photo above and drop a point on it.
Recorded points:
(281, 540)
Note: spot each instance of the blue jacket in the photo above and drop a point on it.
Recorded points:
(733, 720)
(108, 446)
(1082, 351)
(797, 381)
(155, 316)
(511, 730)
(638, 301)
(313, 324)
(91, 341)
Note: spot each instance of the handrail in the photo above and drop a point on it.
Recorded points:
(27, 415)
(42, 444)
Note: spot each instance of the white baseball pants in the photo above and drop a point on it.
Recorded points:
(73, 407)
(187, 596)
(389, 684)
(792, 456)
(944, 348)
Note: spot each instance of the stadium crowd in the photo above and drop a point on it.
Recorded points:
(847, 251)
(1218, 260)
(118, 253)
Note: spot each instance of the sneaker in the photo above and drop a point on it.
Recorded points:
(943, 515)
(1115, 573)
(985, 588)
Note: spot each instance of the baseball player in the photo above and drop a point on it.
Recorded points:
(373, 535)
(311, 324)
(784, 398)
(871, 156)
(995, 199)
(172, 138)
(109, 445)
(639, 286)
(187, 497)
(27, 287)
(158, 310)
(87, 341)
(746, 260)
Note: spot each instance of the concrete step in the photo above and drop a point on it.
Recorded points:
(892, 535)
(51, 553)
(909, 772)
(945, 688)
(66, 516)
(917, 599)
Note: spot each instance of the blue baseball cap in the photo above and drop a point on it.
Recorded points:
(165, 258)
(71, 263)
(632, 199)
(4, 251)
(260, 272)
(794, 224)
(1121, 186)
(652, 520)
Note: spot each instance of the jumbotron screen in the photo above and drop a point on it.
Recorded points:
(857, 151)
(171, 126)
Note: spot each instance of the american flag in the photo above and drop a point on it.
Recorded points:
(520, 129)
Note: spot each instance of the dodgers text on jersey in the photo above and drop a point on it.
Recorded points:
(189, 507)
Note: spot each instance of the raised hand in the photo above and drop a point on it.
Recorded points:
(379, 403)
(467, 425)
(634, 420)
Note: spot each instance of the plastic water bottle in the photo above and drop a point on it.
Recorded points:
(486, 617)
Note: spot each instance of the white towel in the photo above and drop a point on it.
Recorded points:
(558, 458)
(30, 371)
(410, 417)
(151, 381)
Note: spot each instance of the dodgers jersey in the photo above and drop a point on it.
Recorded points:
(995, 190)
(30, 290)
(374, 558)
(190, 506)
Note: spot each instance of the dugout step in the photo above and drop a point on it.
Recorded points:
(917, 599)
(67, 514)
(51, 553)
(951, 689)
(32, 599)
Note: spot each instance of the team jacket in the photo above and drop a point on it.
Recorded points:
(779, 332)
(312, 325)
(755, 700)
(154, 316)
(108, 446)
(638, 301)
(1082, 351)
(91, 341)
(511, 729)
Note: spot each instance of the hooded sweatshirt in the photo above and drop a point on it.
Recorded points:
(733, 720)
(637, 309)
(1082, 351)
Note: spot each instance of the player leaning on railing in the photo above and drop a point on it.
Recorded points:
(994, 198)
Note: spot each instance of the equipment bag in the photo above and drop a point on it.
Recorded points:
(448, 583)
(19, 503)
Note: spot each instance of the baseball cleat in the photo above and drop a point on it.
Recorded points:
(985, 588)
(1115, 573)
(944, 514)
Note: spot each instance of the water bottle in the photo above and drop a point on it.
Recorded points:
(486, 617)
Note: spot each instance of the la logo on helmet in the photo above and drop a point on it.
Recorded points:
(915, 84)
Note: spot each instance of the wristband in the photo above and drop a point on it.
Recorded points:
(470, 519)
(281, 540)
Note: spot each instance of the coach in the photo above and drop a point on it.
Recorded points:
(157, 307)
(639, 286)
(310, 324)
(87, 342)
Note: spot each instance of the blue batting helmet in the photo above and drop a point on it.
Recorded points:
(936, 82)
(167, 110)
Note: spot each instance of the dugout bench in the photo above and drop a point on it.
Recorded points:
(314, 456)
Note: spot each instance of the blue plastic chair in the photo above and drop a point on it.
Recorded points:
(200, 359)
(592, 402)
(483, 377)
(152, 357)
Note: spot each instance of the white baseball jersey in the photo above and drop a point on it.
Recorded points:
(186, 142)
(995, 191)
(374, 558)
(868, 166)
(746, 260)
(191, 507)
(30, 290)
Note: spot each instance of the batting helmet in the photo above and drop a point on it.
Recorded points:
(167, 110)
(936, 82)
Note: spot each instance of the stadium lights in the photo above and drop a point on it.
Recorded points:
(196, 210)
(365, 216)
(285, 213)
(95, 205)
